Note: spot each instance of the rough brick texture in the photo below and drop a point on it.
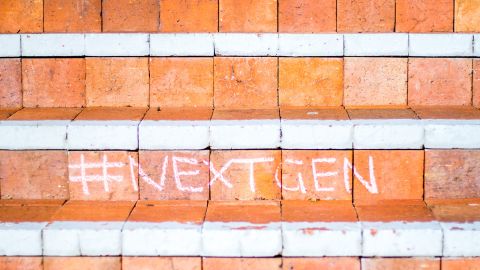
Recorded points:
(73, 15)
(130, 15)
(189, 16)
(53, 82)
(365, 15)
(311, 16)
(21, 16)
(248, 16)
(309, 82)
(467, 15)
(424, 16)
(10, 83)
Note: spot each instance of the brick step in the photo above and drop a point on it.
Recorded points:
(233, 16)
(358, 175)
(182, 129)
(209, 263)
(449, 228)
(240, 44)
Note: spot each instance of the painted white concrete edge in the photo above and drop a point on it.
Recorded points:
(10, 45)
(161, 238)
(76, 238)
(402, 239)
(461, 239)
(277, 44)
(241, 239)
(316, 239)
(238, 134)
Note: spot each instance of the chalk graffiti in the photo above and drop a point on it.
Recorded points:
(84, 174)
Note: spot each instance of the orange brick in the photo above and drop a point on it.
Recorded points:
(130, 15)
(82, 263)
(181, 82)
(189, 16)
(10, 83)
(245, 175)
(476, 83)
(387, 175)
(248, 16)
(72, 15)
(307, 16)
(182, 211)
(245, 82)
(174, 175)
(26, 212)
(53, 82)
(46, 114)
(424, 16)
(460, 263)
(375, 81)
(447, 112)
(310, 82)
(327, 263)
(21, 16)
(381, 113)
(395, 210)
(455, 210)
(94, 211)
(119, 81)
(318, 211)
(24, 263)
(257, 212)
(303, 175)
(112, 113)
(108, 175)
(467, 15)
(365, 15)
(451, 174)
(439, 81)
(162, 263)
(6, 113)
(33, 175)
(242, 263)
(401, 263)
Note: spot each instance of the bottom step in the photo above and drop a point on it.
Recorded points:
(199, 263)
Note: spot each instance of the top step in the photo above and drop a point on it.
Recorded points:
(239, 16)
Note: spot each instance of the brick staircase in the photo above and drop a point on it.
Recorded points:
(228, 134)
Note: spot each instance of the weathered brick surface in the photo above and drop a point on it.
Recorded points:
(467, 15)
(308, 82)
(130, 15)
(94, 211)
(53, 82)
(365, 15)
(387, 175)
(245, 175)
(21, 16)
(375, 81)
(460, 263)
(327, 263)
(439, 81)
(73, 15)
(316, 175)
(81, 263)
(248, 16)
(164, 263)
(10, 83)
(174, 175)
(33, 175)
(476, 83)
(400, 263)
(189, 16)
(120, 81)
(181, 82)
(452, 174)
(424, 16)
(245, 82)
(103, 175)
(24, 263)
(307, 16)
(242, 263)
